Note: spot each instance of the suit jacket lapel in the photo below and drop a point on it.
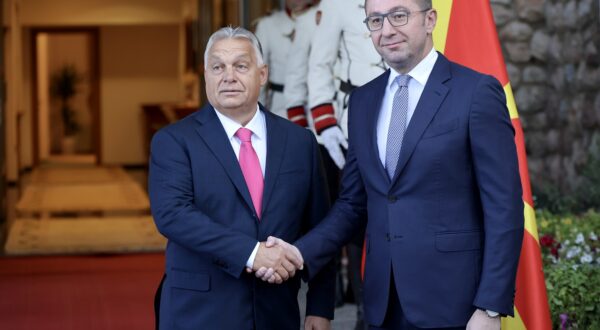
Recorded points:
(276, 141)
(214, 136)
(372, 115)
(433, 95)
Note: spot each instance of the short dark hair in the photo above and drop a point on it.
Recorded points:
(426, 4)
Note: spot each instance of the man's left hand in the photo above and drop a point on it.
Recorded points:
(316, 323)
(481, 321)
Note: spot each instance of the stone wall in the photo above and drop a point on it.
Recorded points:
(552, 51)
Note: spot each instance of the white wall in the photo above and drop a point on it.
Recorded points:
(138, 65)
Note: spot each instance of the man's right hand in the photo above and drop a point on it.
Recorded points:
(276, 260)
(272, 275)
(334, 140)
(481, 321)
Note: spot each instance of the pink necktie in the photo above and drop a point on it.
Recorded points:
(251, 168)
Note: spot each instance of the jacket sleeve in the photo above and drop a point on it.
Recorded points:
(346, 218)
(496, 168)
(320, 299)
(171, 191)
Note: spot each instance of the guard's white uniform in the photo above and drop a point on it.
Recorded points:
(341, 36)
(275, 33)
(296, 89)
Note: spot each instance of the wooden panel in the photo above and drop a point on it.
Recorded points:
(3, 209)
(158, 115)
(257, 9)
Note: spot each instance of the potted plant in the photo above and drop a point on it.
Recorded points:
(63, 87)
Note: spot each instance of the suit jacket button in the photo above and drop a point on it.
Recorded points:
(388, 237)
(392, 198)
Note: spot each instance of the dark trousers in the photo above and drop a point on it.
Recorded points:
(394, 316)
(157, 302)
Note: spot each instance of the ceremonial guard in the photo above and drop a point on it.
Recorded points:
(276, 33)
(342, 58)
(296, 93)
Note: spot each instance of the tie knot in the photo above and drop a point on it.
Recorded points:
(402, 80)
(244, 134)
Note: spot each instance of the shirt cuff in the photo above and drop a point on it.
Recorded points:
(250, 261)
(492, 313)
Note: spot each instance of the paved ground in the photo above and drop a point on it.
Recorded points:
(345, 316)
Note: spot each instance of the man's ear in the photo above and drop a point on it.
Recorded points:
(264, 74)
(430, 21)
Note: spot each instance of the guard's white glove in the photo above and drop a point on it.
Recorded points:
(333, 139)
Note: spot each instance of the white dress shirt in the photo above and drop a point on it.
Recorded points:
(419, 76)
(258, 126)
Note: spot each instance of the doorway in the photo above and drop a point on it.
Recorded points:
(66, 120)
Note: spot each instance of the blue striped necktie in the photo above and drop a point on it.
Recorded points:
(398, 123)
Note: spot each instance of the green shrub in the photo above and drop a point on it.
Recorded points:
(573, 293)
(570, 253)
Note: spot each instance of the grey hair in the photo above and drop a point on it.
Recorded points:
(234, 33)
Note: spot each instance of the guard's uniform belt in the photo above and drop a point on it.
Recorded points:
(276, 87)
(347, 87)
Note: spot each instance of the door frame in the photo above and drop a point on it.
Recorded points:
(94, 81)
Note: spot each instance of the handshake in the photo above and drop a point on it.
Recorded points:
(276, 261)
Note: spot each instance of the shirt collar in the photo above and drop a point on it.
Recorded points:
(420, 72)
(256, 124)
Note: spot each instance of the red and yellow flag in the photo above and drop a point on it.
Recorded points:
(466, 34)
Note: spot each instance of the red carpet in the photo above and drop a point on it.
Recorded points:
(79, 292)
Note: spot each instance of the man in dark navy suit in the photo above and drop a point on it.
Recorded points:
(221, 181)
(432, 161)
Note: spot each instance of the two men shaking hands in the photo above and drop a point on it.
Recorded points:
(276, 261)
(431, 163)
